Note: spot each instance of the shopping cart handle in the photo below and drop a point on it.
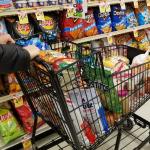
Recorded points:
(37, 59)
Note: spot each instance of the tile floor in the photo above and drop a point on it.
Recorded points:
(128, 142)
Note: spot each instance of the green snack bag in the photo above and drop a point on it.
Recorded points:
(109, 98)
(9, 128)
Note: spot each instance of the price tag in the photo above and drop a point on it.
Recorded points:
(110, 40)
(148, 2)
(107, 7)
(135, 33)
(102, 7)
(18, 102)
(40, 15)
(123, 6)
(136, 4)
(70, 12)
(27, 144)
(23, 18)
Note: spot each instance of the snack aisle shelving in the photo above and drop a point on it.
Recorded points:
(100, 36)
(39, 131)
(45, 127)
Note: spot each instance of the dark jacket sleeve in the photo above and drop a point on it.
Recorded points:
(13, 58)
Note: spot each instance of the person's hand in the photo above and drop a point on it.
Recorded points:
(6, 39)
(33, 51)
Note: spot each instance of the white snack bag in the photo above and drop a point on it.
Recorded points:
(91, 108)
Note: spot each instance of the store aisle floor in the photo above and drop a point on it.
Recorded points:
(128, 142)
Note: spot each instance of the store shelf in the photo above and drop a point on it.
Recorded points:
(10, 97)
(31, 10)
(39, 131)
(93, 4)
(100, 36)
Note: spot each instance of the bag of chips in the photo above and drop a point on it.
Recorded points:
(71, 28)
(25, 113)
(142, 40)
(118, 18)
(9, 128)
(89, 24)
(13, 84)
(131, 18)
(142, 13)
(125, 39)
(103, 21)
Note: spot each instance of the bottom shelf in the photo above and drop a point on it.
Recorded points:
(39, 131)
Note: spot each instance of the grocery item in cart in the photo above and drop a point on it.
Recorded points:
(80, 123)
(71, 28)
(9, 127)
(90, 107)
(142, 13)
(110, 62)
(103, 21)
(131, 18)
(2, 26)
(6, 4)
(89, 24)
(13, 84)
(50, 56)
(118, 16)
(142, 40)
(23, 110)
(125, 39)
(138, 60)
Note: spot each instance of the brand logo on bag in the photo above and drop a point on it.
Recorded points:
(5, 117)
(98, 85)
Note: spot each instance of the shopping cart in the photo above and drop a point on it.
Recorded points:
(81, 100)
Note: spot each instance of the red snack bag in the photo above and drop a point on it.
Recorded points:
(25, 114)
(89, 24)
(71, 28)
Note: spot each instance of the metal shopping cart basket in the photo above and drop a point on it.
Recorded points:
(82, 101)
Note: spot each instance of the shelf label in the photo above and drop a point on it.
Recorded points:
(107, 7)
(27, 144)
(123, 6)
(136, 4)
(40, 15)
(18, 101)
(110, 39)
(148, 2)
(102, 8)
(23, 18)
(135, 33)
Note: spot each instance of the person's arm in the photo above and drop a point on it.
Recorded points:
(13, 58)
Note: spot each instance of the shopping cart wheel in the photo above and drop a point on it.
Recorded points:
(128, 125)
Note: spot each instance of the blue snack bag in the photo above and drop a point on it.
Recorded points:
(142, 14)
(131, 18)
(118, 18)
(103, 21)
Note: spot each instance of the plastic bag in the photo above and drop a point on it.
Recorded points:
(9, 128)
